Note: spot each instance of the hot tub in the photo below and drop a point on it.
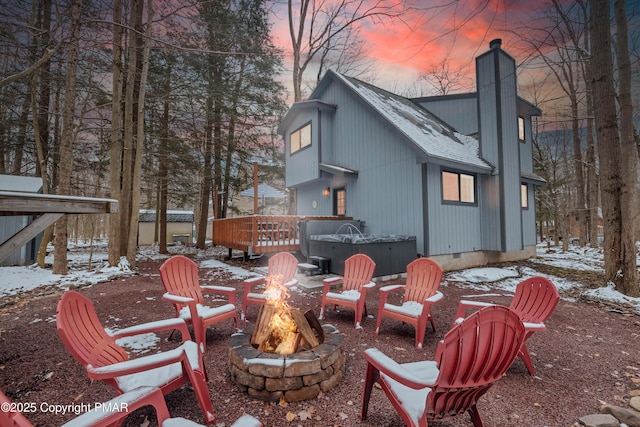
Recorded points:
(390, 252)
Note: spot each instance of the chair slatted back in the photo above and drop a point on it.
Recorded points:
(423, 279)
(284, 265)
(179, 276)
(82, 333)
(535, 299)
(358, 271)
(473, 355)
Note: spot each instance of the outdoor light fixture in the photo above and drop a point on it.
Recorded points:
(326, 191)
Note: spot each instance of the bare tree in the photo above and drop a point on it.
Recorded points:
(316, 26)
(628, 162)
(444, 79)
(66, 148)
(608, 140)
(132, 244)
(559, 43)
(115, 165)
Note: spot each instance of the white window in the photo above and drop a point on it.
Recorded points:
(300, 138)
(458, 187)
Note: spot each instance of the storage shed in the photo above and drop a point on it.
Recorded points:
(10, 225)
(179, 226)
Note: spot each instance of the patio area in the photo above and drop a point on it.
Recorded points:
(588, 354)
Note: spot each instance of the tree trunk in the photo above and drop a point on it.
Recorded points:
(115, 164)
(132, 246)
(608, 141)
(592, 176)
(163, 170)
(66, 147)
(628, 162)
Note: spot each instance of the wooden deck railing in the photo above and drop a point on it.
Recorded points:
(258, 234)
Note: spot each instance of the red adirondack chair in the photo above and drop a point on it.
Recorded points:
(534, 300)
(420, 293)
(358, 271)
(179, 276)
(85, 338)
(101, 417)
(281, 266)
(471, 357)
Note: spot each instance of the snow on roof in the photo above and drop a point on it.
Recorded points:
(149, 215)
(264, 190)
(433, 137)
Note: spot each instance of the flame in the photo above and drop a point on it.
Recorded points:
(283, 327)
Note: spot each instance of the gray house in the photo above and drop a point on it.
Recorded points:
(455, 171)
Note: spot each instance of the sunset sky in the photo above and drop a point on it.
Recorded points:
(457, 32)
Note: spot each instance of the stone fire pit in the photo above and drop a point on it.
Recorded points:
(294, 377)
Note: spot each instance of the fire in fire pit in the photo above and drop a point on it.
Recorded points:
(289, 356)
(282, 329)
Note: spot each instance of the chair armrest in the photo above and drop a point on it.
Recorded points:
(254, 280)
(141, 364)
(437, 297)
(535, 326)
(131, 400)
(158, 325)
(390, 288)
(332, 280)
(475, 304)
(385, 291)
(369, 285)
(464, 305)
(291, 283)
(221, 289)
(224, 290)
(177, 299)
(393, 369)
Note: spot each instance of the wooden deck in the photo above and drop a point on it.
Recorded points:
(260, 234)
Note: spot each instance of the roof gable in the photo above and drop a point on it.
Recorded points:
(432, 139)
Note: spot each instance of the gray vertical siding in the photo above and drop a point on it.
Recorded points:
(302, 166)
(453, 228)
(529, 237)
(497, 108)
(459, 111)
(387, 192)
(488, 120)
(393, 193)
(510, 165)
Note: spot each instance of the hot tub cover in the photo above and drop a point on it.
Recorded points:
(364, 239)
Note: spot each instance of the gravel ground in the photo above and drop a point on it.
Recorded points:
(591, 352)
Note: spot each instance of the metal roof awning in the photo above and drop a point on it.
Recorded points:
(337, 170)
(533, 178)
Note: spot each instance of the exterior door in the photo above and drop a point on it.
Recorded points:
(340, 201)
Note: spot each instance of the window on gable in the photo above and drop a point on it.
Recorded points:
(458, 187)
(300, 138)
(521, 133)
(524, 196)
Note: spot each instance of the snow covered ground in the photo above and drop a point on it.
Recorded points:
(88, 267)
